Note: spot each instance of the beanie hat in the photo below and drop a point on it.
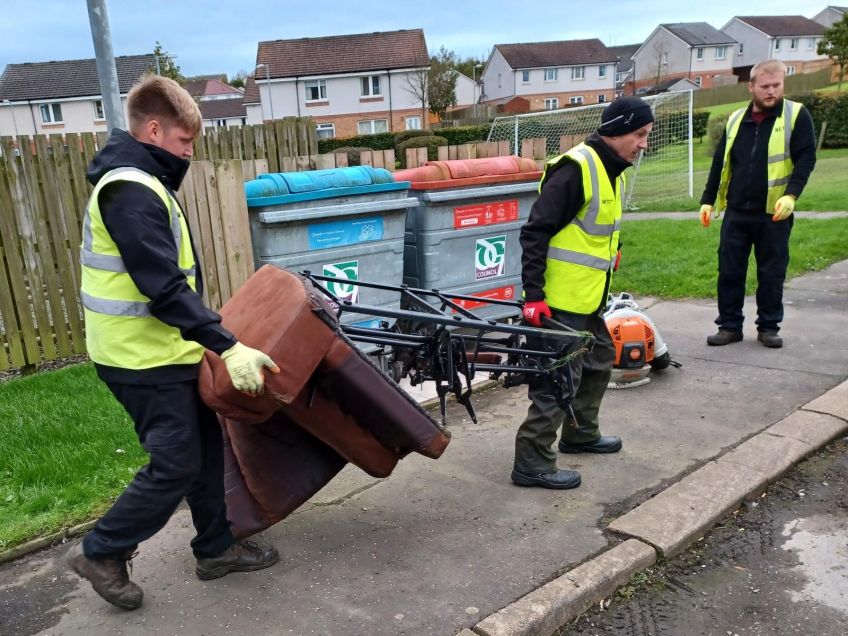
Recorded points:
(624, 115)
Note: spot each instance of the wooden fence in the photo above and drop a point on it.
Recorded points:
(793, 84)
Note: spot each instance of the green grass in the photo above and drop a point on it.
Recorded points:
(67, 448)
(677, 259)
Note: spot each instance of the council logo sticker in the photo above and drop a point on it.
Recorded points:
(347, 271)
(490, 257)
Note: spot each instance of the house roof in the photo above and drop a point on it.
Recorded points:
(383, 50)
(206, 87)
(562, 53)
(222, 108)
(698, 33)
(68, 78)
(624, 53)
(783, 25)
(681, 83)
(251, 91)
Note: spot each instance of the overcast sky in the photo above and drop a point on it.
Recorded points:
(213, 36)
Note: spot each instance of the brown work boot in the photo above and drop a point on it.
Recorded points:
(770, 339)
(242, 556)
(724, 337)
(108, 577)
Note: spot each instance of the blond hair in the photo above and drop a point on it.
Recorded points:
(767, 66)
(161, 98)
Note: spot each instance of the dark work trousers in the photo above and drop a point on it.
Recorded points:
(184, 441)
(739, 232)
(591, 373)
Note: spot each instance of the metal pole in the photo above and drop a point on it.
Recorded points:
(106, 71)
(691, 131)
(158, 70)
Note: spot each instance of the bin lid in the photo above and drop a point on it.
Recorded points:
(292, 187)
(459, 173)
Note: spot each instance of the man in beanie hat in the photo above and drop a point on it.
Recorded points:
(760, 168)
(569, 251)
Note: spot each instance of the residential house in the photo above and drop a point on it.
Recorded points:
(63, 96)
(827, 16)
(467, 91)
(550, 75)
(208, 88)
(252, 102)
(674, 85)
(792, 39)
(696, 51)
(221, 105)
(624, 69)
(349, 84)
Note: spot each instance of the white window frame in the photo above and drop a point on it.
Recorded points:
(372, 124)
(373, 84)
(551, 74)
(323, 127)
(578, 72)
(699, 53)
(525, 77)
(575, 99)
(602, 70)
(99, 114)
(551, 103)
(53, 110)
(811, 44)
(793, 44)
(776, 44)
(698, 80)
(721, 53)
(790, 69)
(321, 85)
(221, 123)
(602, 98)
(741, 48)
(416, 119)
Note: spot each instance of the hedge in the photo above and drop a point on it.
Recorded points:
(431, 143)
(715, 130)
(464, 134)
(409, 134)
(380, 141)
(830, 108)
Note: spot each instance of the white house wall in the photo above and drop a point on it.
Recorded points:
(592, 81)
(498, 79)
(466, 92)
(662, 54)
(755, 43)
(77, 117)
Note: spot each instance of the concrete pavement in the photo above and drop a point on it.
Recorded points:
(450, 545)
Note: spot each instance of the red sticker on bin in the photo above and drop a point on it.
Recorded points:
(498, 293)
(485, 214)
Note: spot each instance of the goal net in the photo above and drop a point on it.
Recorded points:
(663, 172)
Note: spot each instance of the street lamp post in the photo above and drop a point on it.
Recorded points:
(474, 81)
(268, 80)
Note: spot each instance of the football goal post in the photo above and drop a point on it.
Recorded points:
(663, 172)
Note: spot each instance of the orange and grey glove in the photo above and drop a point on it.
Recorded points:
(245, 368)
(784, 207)
(706, 211)
(534, 310)
(617, 261)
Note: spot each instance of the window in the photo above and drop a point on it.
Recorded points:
(413, 123)
(619, 94)
(525, 76)
(325, 131)
(793, 44)
(221, 123)
(576, 99)
(697, 80)
(699, 53)
(602, 98)
(777, 44)
(550, 74)
(51, 113)
(619, 78)
(602, 70)
(790, 69)
(665, 59)
(551, 103)
(721, 53)
(98, 109)
(500, 85)
(578, 72)
(741, 48)
(315, 90)
(371, 86)
(373, 126)
(811, 44)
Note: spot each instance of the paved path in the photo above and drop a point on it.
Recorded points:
(440, 545)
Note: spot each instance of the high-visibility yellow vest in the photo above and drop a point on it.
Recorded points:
(120, 331)
(779, 159)
(581, 255)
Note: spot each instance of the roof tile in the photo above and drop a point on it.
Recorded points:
(562, 53)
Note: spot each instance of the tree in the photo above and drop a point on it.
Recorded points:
(164, 64)
(441, 89)
(417, 85)
(834, 44)
(466, 67)
(239, 79)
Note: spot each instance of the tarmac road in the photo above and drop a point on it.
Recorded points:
(441, 545)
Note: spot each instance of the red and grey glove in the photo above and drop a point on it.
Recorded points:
(534, 310)
(617, 261)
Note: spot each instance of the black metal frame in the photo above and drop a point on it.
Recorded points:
(441, 343)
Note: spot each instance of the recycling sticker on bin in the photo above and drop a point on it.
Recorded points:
(490, 257)
(339, 233)
(346, 271)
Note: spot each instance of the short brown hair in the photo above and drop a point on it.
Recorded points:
(767, 66)
(157, 97)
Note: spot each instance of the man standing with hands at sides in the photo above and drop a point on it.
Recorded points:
(569, 251)
(146, 331)
(759, 170)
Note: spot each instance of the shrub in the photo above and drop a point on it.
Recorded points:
(409, 134)
(715, 129)
(465, 134)
(431, 143)
(353, 154)
(380, 141)
(699, 123)
(832, 109)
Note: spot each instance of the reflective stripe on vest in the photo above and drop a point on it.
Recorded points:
(581, 254)
(120, 328)
(779, 161)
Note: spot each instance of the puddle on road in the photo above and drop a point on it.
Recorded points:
(821, 544)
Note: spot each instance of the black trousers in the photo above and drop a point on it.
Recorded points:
(739, 232)
(183, 438)
(591, 372)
